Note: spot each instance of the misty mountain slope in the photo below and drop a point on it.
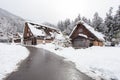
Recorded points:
(10, 23)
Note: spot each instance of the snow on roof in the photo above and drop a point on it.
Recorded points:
(36, 23)
(36, 32)
(20, 34)
(99, 35)
(91, 29)
(49, 26)
(83, 35)
(73, 30)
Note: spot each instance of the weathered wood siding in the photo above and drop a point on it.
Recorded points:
(97, 43)
(43, 41)
(27, 32)
(28, 36)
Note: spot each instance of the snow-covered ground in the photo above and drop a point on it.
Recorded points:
(10, 56)
(97, 62)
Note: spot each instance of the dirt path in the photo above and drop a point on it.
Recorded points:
(44, 65)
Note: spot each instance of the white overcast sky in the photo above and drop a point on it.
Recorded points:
(54, 10)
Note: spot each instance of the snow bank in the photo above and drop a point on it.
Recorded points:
(10, 56)
(97, 62)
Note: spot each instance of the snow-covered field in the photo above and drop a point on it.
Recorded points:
(10, 56)
(97, 62)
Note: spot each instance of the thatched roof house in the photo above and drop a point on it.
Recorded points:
(38, 33)
(84, 35)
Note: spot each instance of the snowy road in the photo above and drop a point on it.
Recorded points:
(44, 65)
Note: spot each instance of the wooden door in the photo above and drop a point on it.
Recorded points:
(80, 42)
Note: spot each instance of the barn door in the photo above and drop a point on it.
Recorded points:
(34, 41)
(80, 42)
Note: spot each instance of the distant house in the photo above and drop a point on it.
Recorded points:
(17, 38)
(1, 33)
(84, 36)
(36, 34)
(8, 37)
(3, 37)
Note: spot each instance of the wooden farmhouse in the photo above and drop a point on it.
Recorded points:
(84, 36)
(36, 34)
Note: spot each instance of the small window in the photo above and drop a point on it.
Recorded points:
(27, 34)
(80, 30)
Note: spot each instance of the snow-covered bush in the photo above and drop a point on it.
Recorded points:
(62, 40)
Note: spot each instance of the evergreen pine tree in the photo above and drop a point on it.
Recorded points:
(109, 22)
(117, 21)
(97, 22)
(78, 18)
(60, 25)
